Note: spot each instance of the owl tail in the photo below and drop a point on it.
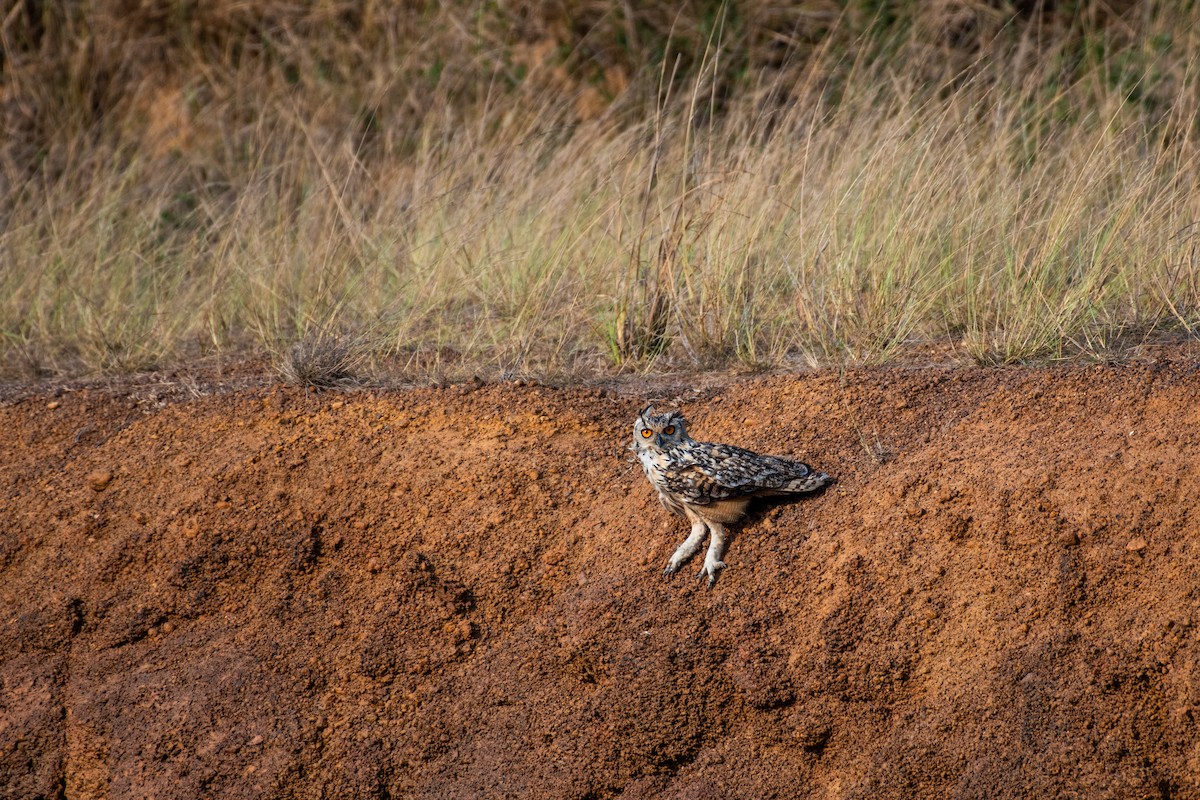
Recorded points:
(813, 480)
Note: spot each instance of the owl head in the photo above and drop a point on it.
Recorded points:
(658, 431)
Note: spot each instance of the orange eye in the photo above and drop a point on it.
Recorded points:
(646, 434)
(669, 430)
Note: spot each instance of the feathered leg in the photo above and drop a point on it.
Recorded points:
(716, 551)
(691, 545)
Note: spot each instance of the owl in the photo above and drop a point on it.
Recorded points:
(710, 484)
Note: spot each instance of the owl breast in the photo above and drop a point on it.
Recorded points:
(654, 464)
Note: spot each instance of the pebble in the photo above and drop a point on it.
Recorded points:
(53, 404)
(1136, 544)
(99, 479)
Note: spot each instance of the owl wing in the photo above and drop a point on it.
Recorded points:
(704, 473)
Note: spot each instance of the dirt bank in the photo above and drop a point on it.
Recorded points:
(458, 593)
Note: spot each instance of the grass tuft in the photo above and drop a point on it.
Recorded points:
(325, 361)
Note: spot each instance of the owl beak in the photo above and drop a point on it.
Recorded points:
(658, 440)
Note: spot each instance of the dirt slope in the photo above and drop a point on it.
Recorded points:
(456, 593)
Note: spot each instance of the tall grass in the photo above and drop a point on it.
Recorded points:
(1036, 200)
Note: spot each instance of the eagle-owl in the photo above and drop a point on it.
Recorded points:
(710, 484)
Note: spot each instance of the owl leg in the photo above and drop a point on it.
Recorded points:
(716, 551)
(691, 545)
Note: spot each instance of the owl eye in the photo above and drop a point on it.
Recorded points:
(646, 433)
(669, 430)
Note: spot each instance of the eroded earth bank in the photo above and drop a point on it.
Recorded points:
(457, 593)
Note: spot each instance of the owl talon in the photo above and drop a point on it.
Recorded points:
(712, 571)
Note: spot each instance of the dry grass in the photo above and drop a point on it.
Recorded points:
(538, 211)
(325, 361)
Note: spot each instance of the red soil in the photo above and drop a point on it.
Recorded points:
(458, 593)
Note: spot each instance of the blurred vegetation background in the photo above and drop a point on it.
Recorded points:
(580, 188)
